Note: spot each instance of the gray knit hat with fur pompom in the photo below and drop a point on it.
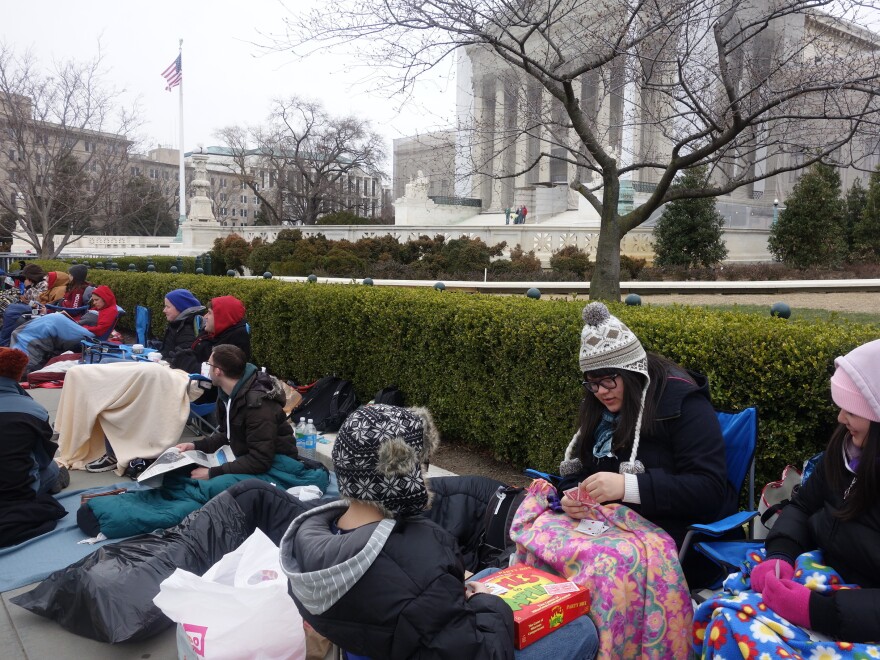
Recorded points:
(379, 453)
(608, 344)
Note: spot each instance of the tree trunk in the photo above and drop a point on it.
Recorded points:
(605, 282)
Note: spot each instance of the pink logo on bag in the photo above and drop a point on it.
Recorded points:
(196, 637)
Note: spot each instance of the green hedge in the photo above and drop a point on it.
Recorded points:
(163, 264)
(501, 374)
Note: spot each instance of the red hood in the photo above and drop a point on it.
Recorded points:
(228, 310)
(105, 294)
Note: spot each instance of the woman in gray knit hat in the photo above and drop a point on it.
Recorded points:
(648, 436)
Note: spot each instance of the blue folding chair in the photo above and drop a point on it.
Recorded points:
(740, 431)
(201, 414)
(143, 320)
(119, 314)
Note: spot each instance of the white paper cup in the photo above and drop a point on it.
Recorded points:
(155, 356)
(137, 349)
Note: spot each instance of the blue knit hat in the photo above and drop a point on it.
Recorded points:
(182, 299)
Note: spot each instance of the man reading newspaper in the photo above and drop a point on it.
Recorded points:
(172, 458)
(250, 411)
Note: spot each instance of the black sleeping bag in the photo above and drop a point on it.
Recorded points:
(108, 595)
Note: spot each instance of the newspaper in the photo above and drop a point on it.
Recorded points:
(172, 458)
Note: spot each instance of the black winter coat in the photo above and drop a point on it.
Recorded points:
(411, 602)
(685, 479)
(258, 427)
(852, 548)
(180, 334)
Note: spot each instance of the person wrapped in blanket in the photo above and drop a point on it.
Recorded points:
(838, 512)
(648, 438)
(378, 579)
(52, 334)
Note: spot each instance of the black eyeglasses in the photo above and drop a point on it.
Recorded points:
(608, 382)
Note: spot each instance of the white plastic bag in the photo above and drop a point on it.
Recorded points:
(239, 608)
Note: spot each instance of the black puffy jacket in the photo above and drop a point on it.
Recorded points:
(851, 547)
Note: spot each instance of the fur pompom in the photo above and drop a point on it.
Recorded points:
(572, 466)
(595, 313)
(396, 458)
(430, 434)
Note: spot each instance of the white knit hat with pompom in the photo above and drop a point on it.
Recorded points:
(607, 343)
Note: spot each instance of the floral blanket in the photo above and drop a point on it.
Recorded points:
(737, 624)
(640, 601)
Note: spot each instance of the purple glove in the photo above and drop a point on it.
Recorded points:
(789, 600)
(767, 568)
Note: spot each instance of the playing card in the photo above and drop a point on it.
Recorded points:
(580, 495)
(591, 527)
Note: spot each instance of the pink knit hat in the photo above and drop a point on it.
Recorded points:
(855, 385)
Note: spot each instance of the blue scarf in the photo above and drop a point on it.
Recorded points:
(604, 434)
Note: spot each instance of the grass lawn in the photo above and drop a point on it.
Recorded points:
(800, 313)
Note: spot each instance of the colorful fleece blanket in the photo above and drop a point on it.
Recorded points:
(144, 511)
(737, 624)
(640, 600)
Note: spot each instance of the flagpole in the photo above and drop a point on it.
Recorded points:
(182, 173)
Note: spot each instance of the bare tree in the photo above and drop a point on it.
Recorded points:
(636, 91)
(65, 149)
(301, 165)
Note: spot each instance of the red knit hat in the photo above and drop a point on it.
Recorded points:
(12, 363)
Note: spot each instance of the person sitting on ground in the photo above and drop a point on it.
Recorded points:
(648, 438)
(376, 578)
(250, 411)
(52, 334)
(28, 475)
(84, 413)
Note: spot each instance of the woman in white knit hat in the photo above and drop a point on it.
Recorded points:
(648, 436)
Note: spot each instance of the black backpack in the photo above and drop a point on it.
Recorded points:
(495, 545)
(328, 402)
(389, 395)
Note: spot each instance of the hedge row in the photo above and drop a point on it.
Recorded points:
(162, 264)
(501, 374)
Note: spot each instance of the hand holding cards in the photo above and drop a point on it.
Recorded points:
(579, 494)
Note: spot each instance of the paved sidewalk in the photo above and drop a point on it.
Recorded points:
(26, 636)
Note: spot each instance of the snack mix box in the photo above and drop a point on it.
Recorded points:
(541, 602)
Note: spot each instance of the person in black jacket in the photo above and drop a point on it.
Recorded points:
(378, 579)
(252, 419)
(28, 475)
(837, 511)
(182, 311)
(648, 437)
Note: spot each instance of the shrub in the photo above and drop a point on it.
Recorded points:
(500, 373)
(688, 232)
(811, 230)
(573, 262)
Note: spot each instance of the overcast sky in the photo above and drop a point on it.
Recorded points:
(227, 79)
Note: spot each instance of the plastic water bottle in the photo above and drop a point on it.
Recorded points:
(310, 440)
(299, 431)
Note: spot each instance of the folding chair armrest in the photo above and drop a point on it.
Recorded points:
(715, 529)
(724, 525)
(546, 476)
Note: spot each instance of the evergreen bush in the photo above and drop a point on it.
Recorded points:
(811, 230)
(501, 374)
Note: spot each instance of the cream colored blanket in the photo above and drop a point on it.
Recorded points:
(140, 407)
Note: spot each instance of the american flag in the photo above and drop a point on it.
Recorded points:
(173, 74)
